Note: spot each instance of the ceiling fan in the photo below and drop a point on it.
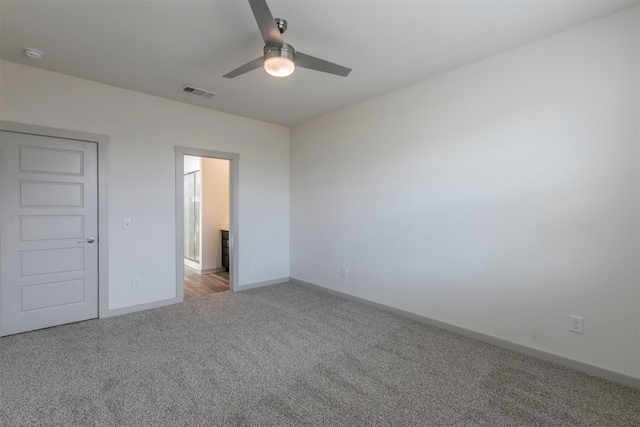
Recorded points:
(280, 59)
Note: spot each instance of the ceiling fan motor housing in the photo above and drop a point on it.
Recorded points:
(286, 51)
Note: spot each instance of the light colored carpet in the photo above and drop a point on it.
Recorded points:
(287, 355)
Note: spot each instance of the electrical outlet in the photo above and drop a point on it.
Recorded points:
(576, 324)
(255, 265)
(135, 282)
(344, 272)
(126, 223)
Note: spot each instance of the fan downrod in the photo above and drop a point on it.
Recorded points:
(281, 24)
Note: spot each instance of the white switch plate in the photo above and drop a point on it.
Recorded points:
(344, 272)
(126, 223)
(135, 282)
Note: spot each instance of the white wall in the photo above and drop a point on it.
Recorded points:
(501, 197)
(191, 164)
(143, 131)
(215, 210)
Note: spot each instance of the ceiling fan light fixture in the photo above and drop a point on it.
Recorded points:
(279, 61)
(279, 67)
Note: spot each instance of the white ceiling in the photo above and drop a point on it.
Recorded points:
(156, 47)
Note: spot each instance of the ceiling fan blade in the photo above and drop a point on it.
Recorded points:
(270, 32)
(249, 66)
(313, 63)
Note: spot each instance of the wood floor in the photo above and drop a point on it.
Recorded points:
(200, 285)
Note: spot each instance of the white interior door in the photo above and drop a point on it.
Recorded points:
(49, 219)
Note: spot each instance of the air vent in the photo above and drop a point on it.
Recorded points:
(198, 92)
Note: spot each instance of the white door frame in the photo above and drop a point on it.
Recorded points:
(234, 171)
(102, 142)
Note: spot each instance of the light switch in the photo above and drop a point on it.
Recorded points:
(126, 223)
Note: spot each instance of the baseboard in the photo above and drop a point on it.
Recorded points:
(163, 303)
(139, 307)
(192, 264)
(196, 267)
(586, 368)
(212, 270)
(261, 284)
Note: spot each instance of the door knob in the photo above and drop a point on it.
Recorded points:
(89, 240)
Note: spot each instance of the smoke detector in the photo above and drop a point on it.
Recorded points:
(33, 53)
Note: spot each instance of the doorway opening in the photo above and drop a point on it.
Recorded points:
(206, 222)
(206, 226)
